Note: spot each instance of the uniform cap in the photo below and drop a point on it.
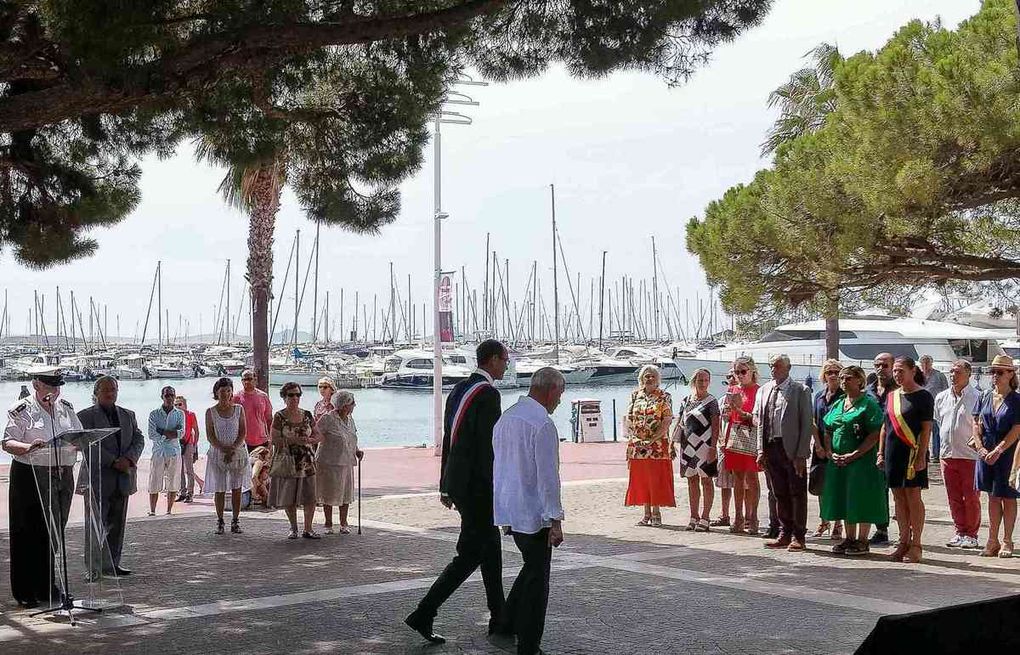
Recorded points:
(49, 375)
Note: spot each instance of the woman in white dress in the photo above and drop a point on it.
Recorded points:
(335, 460)
(698, 433)
(227, 465)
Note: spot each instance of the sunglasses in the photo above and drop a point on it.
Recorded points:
(995, 372)
(293, 395)
(742, 371)
(832, 373)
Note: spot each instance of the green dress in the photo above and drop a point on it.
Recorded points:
(855, 493)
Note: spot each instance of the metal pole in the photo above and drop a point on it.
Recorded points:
(315, 290)
(602, 295)
(437, 343)
(614, 420)
(297, 276)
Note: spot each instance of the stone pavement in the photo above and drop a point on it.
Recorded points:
(616, 587)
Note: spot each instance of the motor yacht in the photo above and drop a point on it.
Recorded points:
(412, 369)
(861, 339)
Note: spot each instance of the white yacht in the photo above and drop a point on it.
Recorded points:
(412, 369)
(525, 368)
(639, 355)
(860, 340)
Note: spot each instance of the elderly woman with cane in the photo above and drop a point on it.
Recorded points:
(335, 460)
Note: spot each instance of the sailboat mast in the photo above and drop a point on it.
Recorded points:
(556, 291)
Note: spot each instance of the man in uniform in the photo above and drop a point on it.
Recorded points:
(42, 470)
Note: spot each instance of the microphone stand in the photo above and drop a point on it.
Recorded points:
(67, 602)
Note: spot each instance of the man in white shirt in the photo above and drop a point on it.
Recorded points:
(526, 502)
(954, 414)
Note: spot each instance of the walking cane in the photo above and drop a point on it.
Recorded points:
(360, 464)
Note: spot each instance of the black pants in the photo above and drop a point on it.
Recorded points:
(790, 490)
(478, 546)
(105, 549)
(529, 597)
(32, 574)
(773, 514)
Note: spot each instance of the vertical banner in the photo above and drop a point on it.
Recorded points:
(445, 309)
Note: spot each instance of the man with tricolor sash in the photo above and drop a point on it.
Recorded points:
(465, 483)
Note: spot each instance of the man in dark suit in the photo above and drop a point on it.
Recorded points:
(112, 473)
(465, 482)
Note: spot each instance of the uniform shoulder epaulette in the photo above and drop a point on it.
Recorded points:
(18, 407)
(66, 403)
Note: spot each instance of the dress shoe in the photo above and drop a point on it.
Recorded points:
(771, 533)
(796, 546)
(121, 571)
(782, 542)
(424, 627)
(880, 538)
(28, 604)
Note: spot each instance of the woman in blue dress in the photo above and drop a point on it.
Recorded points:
(996, 429)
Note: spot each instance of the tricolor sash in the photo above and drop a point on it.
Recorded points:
(894, 408)
(462, 405)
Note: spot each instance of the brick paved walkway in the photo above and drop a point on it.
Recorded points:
(616, 587)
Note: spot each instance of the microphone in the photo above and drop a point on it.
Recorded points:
(47, 398)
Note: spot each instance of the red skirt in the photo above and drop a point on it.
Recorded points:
(741, 462)
(651, 483)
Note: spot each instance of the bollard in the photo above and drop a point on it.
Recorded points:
(614, 420)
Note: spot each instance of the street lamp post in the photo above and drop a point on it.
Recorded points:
(454, 118)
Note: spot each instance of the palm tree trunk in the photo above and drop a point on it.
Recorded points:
(832, 327)
(265, 195)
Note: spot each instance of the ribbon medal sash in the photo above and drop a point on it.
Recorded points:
(894, 407)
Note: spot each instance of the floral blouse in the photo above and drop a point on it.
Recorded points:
(293, 435)
(645, 417)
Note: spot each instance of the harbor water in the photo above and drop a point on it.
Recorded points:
(385, 417)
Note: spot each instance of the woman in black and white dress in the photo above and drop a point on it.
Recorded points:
(698, 434)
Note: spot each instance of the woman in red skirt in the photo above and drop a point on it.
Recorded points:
(649, 460)
(741, 448)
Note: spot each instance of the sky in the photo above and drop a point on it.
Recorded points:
(630, 158)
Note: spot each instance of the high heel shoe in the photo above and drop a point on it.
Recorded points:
(913, 554)
(900, 552)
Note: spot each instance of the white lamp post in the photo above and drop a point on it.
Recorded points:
(454, 118)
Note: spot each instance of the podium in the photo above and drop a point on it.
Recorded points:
(98, 575)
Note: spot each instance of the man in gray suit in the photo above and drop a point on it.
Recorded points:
(113, 470)
(783, 418)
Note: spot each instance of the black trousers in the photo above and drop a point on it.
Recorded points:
(105, 549)
(529, 597)
(32, 574)
(478, 546)
(790, 490)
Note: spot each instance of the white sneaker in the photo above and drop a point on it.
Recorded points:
(970, 543)
(956, 542)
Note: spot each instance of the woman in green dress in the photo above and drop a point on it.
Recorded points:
(854, 489)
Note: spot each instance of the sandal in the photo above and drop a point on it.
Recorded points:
(1007, 550)
(991, 550)
(721, 522)
(837, 531)
(292, 534)
(692, 526)
(822, 529)
(235, 527)
(901, 551)
(219, 526)
(646, 521)
(329, 529)
(738, 526)
(703, 526)
(656, 521)
(311, 535)
(752, 528)
(345, 529)
(913, 554)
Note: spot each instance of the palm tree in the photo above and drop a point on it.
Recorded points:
(255, 187)
(805, 100)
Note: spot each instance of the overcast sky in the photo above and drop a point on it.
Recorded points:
(630, 157)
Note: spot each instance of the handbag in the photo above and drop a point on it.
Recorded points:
(816, 475)
(742, 440)
(283, 465)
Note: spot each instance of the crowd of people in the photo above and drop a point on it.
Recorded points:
(858, 438)
(286, 459)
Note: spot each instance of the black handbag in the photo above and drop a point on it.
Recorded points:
(816, 475)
